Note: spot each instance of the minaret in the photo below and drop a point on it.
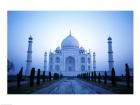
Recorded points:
(29, 57)
(110, 54)
(94, 62)
(45, 61)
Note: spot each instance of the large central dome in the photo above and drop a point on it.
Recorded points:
(70, 42)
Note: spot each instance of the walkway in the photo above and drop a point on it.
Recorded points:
(72, 86)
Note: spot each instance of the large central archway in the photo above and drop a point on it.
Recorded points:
(70, 64)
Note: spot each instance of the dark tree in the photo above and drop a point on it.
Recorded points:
(99, 78)
(113, 77)
(50, 76)
(105, 78)
(95, 76)
(32, 76)
(127, 70)
(38, 77)
(86, 76)
(19, 77)
(92, 76)
(89, 76)
(122, 77)
(56, 76)
(44, 77)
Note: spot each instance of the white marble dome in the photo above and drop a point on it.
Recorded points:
(70, 42)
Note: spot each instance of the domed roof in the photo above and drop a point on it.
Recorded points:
(70, 42)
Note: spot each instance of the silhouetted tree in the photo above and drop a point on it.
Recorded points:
(105, 78)
(99, 78)
(92, 76)
(44, 77)
(56, 76)
(50, 76)
(32, 76)
(19, 77)
(89, 76)
(113, 77)
(86, 76)
(38, 77)
(122, 77)
(127, 70)
(95, 76)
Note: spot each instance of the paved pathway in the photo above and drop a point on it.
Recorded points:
(72, 86)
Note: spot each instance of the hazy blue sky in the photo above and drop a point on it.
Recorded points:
(91, 28)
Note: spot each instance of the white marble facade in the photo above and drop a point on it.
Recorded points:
(70, 59)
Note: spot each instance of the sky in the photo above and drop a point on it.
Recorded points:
(90, 28)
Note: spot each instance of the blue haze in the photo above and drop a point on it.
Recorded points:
(91, 28)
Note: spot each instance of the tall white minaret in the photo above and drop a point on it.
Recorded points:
(45, 61)
(29, 57)
(94, 61)
(110, 54)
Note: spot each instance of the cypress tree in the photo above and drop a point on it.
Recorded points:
(127, 70)
(113, 77)
(99, 78)
(19, 77)
(95, 76)
(44, 76)
(32, 76)
(89, 76)
(86, 76)
(105, 78)
(38, 77)
(50, 76)
(92, 76)
(122, 77)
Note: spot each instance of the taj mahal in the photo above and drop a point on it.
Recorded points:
(70, 59)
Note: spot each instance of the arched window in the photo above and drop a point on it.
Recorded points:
(57, 60)
(88, 67)
(88, 60)
(82, 68)
(82, 60)
(57, 68)
(51, 60)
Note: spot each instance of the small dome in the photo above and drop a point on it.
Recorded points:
(81, 48)
(70, 42)
(109, 38)
(58, 48)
